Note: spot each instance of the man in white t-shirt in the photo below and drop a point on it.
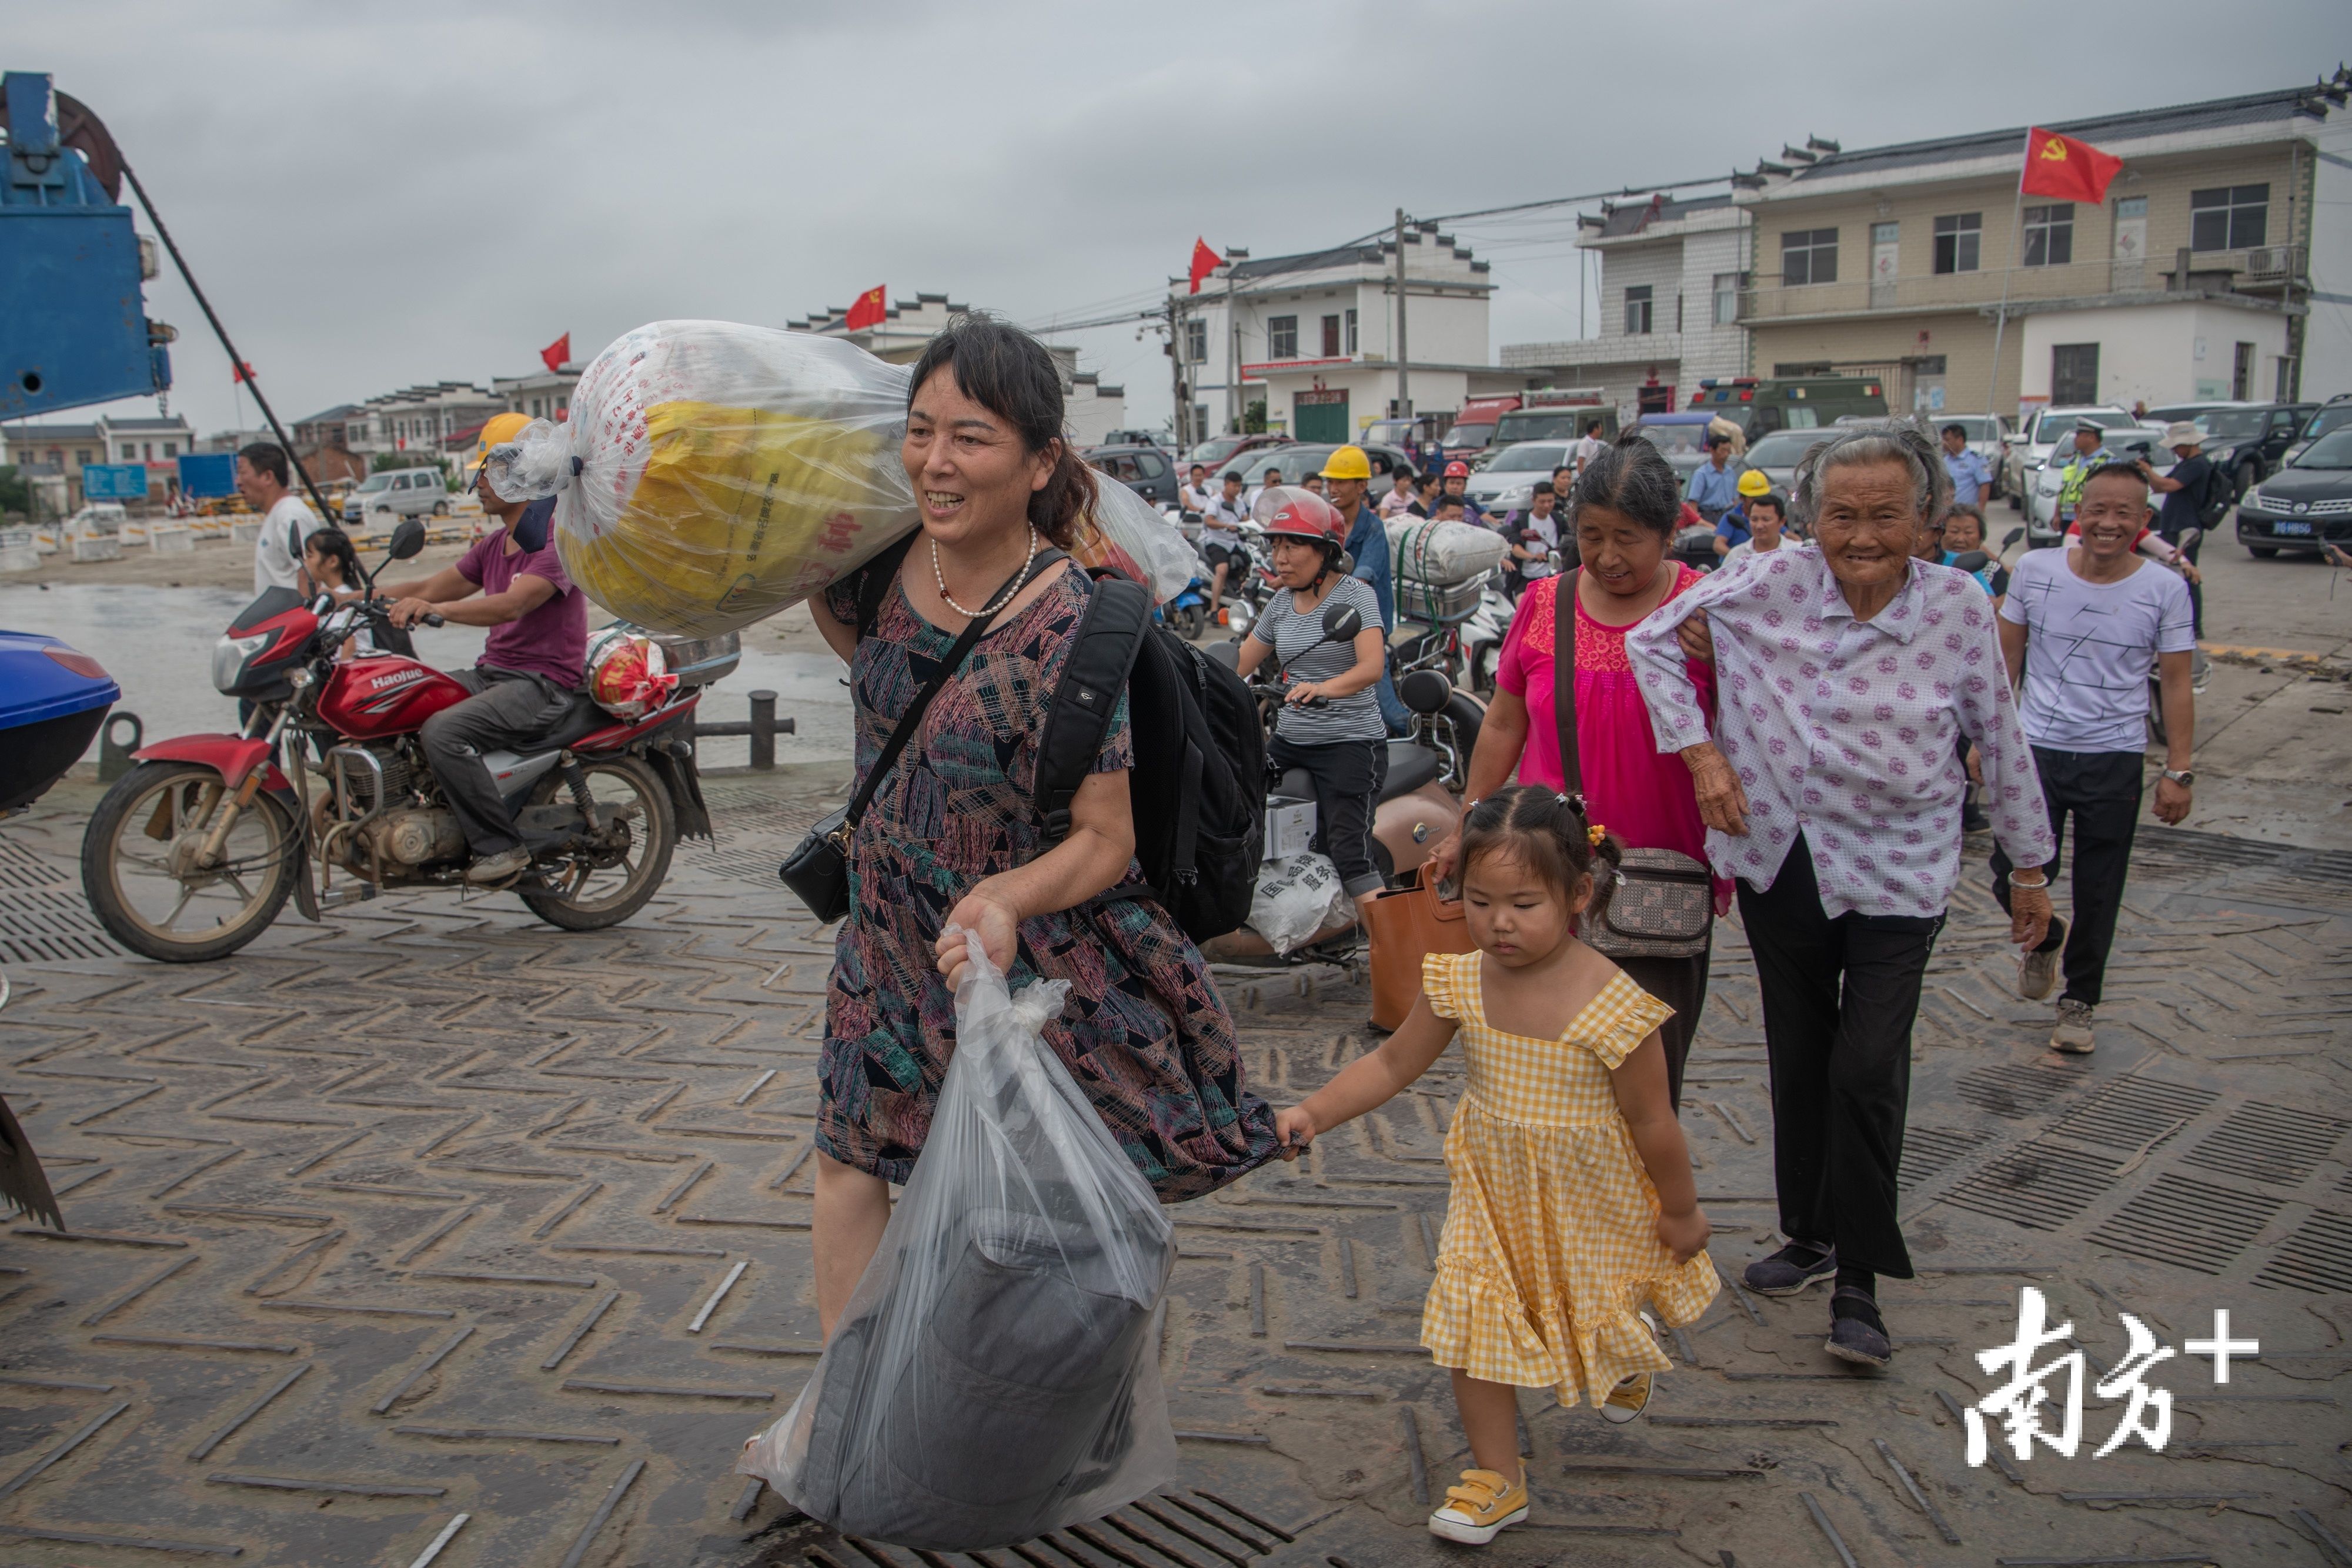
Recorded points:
(2083, 629)
(1221, 536)
(1194, 495)
(262, 474)
(1589, 445)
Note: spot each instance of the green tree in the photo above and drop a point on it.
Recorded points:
(15, 492)
(1254, 418)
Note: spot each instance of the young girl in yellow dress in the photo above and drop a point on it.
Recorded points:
(1572, 1201)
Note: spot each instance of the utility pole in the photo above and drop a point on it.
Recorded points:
(1404, 388)
(1181, 423)
(1233, 357)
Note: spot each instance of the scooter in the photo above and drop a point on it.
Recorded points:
(1415, 812)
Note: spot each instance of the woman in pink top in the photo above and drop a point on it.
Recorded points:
(1624, 506)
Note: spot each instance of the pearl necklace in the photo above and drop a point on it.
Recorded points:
(1002, 598)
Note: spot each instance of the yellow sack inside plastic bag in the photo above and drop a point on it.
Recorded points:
(735, 514)
(712, 473)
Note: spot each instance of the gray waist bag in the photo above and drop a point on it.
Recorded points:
(995, 1374)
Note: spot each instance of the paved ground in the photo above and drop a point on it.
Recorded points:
(437, 1211)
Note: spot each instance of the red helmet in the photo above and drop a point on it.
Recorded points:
(1457, 470)
(1304, 514)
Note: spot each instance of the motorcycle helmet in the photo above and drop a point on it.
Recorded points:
(1286, 511)
(1457, 469)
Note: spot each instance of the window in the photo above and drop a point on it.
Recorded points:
(81, 455)
(1637, 311)
(171, 449)
(562, 404)
(2228, 217)
(1196, 342)
(2050, 235)
(1351, 331)
(1726, 298)
(2075, 373)
(2242, 373)
(1330, 337)
(1956, 241)
(130, 451)
(1809, 255)
(1149, 466)
(1282, 337)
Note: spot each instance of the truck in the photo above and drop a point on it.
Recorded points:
(1761, 405)
(1555, 413)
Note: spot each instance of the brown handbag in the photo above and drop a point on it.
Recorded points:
(1406, 925)
(1664, 907)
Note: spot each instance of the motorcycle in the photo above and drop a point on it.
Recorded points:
(1417, 807)
(193, 853)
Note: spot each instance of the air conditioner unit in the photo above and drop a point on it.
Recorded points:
(2265, 261)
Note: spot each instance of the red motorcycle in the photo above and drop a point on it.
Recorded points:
(193, 852)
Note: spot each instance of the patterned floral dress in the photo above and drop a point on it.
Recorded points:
(1550, 1244)
(1145, 1034)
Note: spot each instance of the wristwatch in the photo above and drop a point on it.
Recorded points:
(2186, 777)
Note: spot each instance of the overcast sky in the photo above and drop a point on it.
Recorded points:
(380, 197)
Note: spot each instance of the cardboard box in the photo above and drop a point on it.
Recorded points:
(1289, 826)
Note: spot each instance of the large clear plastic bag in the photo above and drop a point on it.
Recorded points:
(995, 1373)
(1127, 535)
(713, 474)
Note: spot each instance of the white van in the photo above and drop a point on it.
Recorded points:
(396, 493)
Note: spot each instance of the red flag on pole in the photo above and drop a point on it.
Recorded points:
(1204, 262)
(868, 311)
(558, 353)
(2061, 167)
(240, 372)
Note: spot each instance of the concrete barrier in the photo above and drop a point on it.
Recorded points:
(171, 538)
(96, 546)
(244, 533)
(17, 551)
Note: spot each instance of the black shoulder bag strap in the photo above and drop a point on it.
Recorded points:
(874, 580)
(1102, 653)
(1563, 681)
(913, 718)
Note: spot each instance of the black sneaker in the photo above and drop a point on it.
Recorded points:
(1857, 1333)
(1973, 820)
(1790, 1270)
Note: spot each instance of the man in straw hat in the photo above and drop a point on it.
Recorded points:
(2187, 493)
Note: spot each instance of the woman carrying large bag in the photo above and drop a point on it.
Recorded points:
(1599, 742)
(979, 620)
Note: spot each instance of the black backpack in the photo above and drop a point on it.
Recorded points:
(1197, 791)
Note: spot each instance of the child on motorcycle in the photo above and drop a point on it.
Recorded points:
(1330, 724)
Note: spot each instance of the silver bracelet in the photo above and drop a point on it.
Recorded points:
(2030, 886)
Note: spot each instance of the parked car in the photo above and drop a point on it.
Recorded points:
(1508, 480)
(1158, 438)
(98, 517)
(2307, 503)
(2247, 441)
(396, 493)
(2333, 414)
(2133, 439)
(1299, 459)
(2028, 449)
(1146, 470)
(1220, 452)
(1680, 436)
(1776, 455)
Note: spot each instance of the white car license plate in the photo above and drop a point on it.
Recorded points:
(2283, 527)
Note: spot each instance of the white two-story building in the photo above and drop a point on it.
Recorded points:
(1314, 337)
(1670, 282)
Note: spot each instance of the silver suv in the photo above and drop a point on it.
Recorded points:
(396, 493)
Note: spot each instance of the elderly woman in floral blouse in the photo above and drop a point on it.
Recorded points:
(1832, 792)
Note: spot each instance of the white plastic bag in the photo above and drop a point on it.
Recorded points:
(1296, 898)
(711, 474)
(1426, 550)
(996, 1372)
(1156, 554)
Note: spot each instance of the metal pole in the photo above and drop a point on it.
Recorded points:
(1404, 388)
(1234, 361)
(1180, 423)
(2016, 244)
(236, 366)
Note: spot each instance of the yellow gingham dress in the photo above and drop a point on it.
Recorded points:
(1550, 1245)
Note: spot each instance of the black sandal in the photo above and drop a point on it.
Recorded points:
(1857, 1333)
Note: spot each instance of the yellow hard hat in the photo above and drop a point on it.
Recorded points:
(1348, 463)
(1753, 483)
(498, 428)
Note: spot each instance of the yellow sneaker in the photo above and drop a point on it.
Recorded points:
(1480, 1508)
(1628, 1399)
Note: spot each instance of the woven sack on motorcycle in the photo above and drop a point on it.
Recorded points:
(1406, 927)
(995, 1373)
(1661, 908)
(1426, 550)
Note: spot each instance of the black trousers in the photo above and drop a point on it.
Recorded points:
(1681, 984)
(2101, 789)
(1348, 775)
(1839, 996)
(507, 706)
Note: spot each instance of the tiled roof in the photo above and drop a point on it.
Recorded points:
(1632, 217)
(2253, 109)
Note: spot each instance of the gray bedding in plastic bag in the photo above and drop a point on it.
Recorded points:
(995, 1373)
